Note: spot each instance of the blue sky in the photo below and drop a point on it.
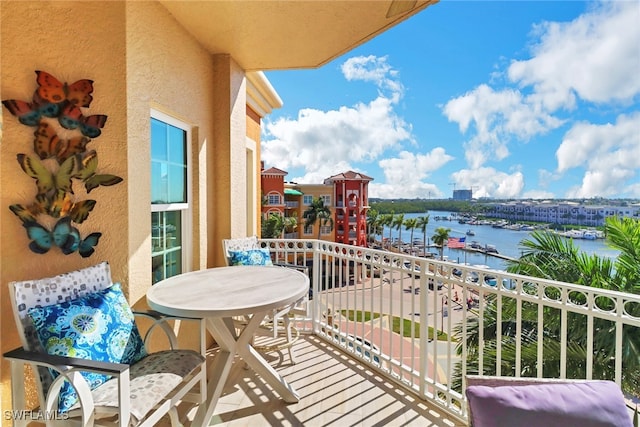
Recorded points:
(512, 99)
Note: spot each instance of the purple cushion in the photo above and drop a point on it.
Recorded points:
(583, 404)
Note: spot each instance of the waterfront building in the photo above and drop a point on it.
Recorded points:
(345, 194)
(564, 212)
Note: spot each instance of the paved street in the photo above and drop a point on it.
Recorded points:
(399, 295)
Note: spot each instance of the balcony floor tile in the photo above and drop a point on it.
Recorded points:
(335, 390)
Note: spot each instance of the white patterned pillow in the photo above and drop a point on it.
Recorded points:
(54, 290)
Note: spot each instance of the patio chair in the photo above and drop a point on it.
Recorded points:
(531, 402)
(90, 363)
(278, 332)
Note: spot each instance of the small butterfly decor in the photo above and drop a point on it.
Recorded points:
(60, 159)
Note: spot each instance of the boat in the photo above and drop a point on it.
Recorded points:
(470, 233)
(575, 234)
(490, 249)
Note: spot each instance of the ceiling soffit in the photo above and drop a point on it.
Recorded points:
(278, 35)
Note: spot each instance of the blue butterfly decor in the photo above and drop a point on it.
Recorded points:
(58, 162)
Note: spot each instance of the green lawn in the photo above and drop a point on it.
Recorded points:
(406, 329)
(365, 316)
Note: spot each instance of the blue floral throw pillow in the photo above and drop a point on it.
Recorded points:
(250, 257)
(99, 326)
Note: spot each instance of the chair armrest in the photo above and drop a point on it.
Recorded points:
(60, 363)
(161, 320)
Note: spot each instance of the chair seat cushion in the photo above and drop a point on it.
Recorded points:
(584, 404)
(151, 379)
(250, 257)
(98, 326)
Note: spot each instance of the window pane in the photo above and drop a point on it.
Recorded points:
(158, 140)
(168, 163)
(166, 243)
(159, 190)
(177, 183)
(177, 143)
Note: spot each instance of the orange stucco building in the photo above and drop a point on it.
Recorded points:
(345, 194)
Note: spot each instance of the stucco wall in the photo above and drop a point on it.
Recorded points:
(139, 58)
(168, 71)
(73, 41)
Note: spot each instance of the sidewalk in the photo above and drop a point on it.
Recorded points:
(393, 345)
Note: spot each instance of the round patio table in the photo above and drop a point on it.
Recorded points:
(219, 294)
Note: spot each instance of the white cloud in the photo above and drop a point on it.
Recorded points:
(575, 58)
(373, 69)
(489, 182)
(317, 140)
(592, 60)
(494, 117)
(328, 142)
(609, 153)
(405, 175)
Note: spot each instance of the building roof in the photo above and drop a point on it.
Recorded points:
(276, 35)
(274, 171)
(349, 176)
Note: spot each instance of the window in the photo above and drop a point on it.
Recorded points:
(307, 199)
(326, 200)
(274, 199)
(169, 196)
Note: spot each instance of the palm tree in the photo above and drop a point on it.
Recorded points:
(290, 224)
(440, 238)
(373, 223)
(272, 226)
(318, 212)
(423, 221)
(387, 221)
(411, 224)
(398, 222)
(547, 255)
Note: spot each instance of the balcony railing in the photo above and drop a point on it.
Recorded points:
(414, 320)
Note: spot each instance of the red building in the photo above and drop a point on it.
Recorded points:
(272, 185)
(350, 192)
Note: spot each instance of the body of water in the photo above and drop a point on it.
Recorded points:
(506, 241)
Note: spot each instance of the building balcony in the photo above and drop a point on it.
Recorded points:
(387, 332)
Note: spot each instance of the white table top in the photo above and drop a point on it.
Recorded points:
(228, 291)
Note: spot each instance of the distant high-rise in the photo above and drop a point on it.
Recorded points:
(462, 194)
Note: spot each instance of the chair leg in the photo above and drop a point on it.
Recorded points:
(175, 419)
(291, 355)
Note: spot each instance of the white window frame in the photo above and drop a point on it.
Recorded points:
(276, 197)
(186, 209)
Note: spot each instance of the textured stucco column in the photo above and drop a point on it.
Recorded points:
(226, 166)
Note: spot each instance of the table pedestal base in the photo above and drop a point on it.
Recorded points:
(224, 332)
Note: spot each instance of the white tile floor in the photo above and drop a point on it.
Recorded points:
(335, 390)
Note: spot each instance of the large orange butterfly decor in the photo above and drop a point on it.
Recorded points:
(58, 162)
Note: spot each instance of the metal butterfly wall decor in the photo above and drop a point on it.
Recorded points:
(57, 162)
